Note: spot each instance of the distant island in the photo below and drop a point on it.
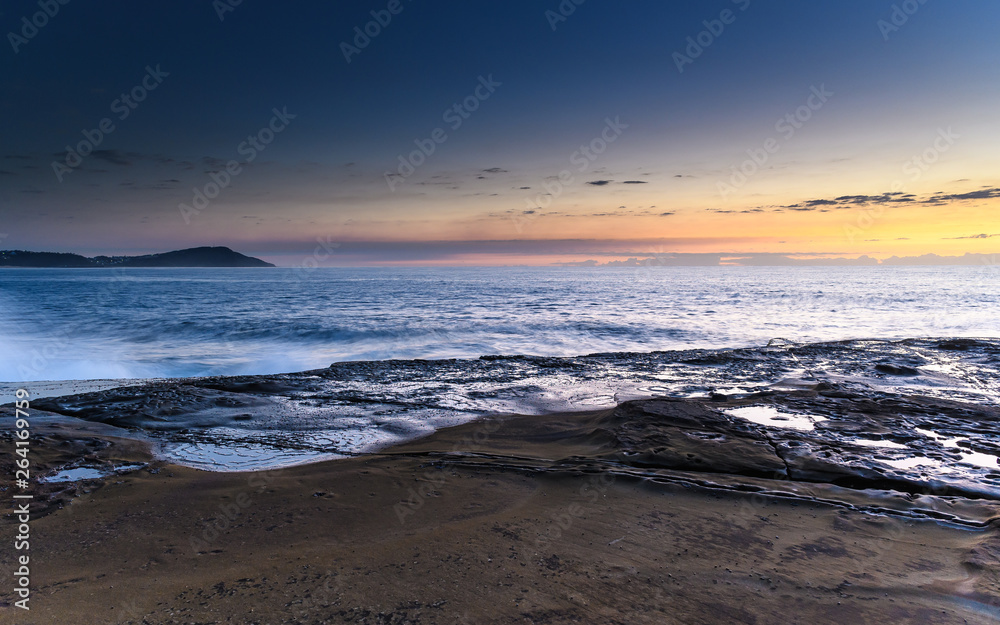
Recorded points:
(193, 257)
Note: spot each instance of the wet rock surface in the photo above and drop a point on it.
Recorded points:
(358, 407)
(907, 417)
(691, 436)
(833, 500)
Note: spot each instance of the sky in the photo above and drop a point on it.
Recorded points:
(500, 133)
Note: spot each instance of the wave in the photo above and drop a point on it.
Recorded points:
(175, 323)
(355, 407)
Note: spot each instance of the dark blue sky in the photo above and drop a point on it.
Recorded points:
(326, 170)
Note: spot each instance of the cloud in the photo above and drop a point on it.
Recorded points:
(635, 182)
(680, 259)
(211, 161)
(884, 198)
(982, 194)
(599, 183)
(495, 170)
(843, 202)
(974, 236)
(111, 156)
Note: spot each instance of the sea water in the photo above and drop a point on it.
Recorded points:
(81, 324)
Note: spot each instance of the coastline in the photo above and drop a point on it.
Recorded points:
(259, 422)
(651, 512)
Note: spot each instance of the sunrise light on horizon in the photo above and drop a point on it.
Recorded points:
(874, 137)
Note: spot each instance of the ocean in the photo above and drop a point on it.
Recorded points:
(337, 362)
(79, 324)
